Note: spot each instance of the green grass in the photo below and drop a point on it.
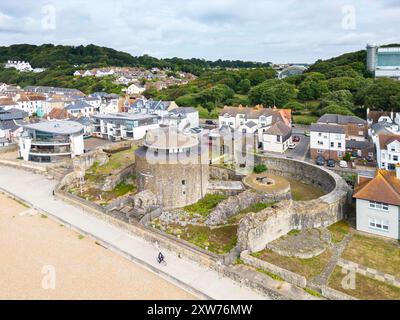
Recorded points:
(294, 232)
(123, 188)
(376, 253)
(312, 292)
(304, 119)
(43, 216)
(304, 191)
(270, 274)
(365, 288)
(218, 240)
(204, 206)
(339, 230)
(309, 268)
(81, 236)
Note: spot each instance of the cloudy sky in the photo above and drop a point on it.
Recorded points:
(258, 30)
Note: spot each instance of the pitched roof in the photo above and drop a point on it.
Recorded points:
(258, 111)
(340, 119)
(362, 145)
(385, 188)
(328, 128)
(374, 115)
(385, 139)
(58, 113)
(279, 129)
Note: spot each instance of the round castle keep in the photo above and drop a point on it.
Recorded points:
(169, 164)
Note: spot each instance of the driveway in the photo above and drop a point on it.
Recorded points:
(302, 148)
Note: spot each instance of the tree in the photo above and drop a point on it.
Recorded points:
(294, 106)
(336, 109)
(381, 94)
(244, 86)
(272, 92)
(312, 90)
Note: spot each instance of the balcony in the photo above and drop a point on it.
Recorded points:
(50, 142)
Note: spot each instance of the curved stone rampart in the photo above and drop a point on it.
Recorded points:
(258, 229)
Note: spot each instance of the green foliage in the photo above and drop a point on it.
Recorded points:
(382, 94)
(347, 156)
(313, 87)
(260, 168)
(305, 119)
(295, 106)
(205, 205)
(272, 92)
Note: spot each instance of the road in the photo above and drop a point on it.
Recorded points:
(302, 148)
(37, 191)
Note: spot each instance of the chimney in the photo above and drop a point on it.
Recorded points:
(398, 171)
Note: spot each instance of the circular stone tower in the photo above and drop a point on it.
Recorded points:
(170, 164)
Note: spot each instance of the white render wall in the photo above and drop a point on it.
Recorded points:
(364, 213)
(327, 138)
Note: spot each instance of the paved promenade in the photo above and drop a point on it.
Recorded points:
(37, 191)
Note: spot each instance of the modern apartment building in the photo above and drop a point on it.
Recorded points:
(118, 126)
(51, 141)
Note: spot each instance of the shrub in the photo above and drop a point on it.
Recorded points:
(260, 168)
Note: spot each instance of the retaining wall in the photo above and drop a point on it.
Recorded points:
(287, 275)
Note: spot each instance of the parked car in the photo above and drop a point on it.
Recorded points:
(331, 163)
(306, 133)
(292, 146)
(211, 122)
(343, 164)
(296, 139)
(320, 160)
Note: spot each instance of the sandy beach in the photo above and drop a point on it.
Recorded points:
(41, 259)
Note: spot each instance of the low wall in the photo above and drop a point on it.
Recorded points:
(233, 205)
(10, 148)
(150, 216)
(224, 174)
(111, 181)
(258, 229)
(333, 294)
(287, 275)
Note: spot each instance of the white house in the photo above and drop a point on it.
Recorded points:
(80, 108)
(263, 123)
(378, 203)
(51, 141)
(182, 118)
(135, 89)
(21, 66)
(328, 141)
(388, 151)
(160, 108)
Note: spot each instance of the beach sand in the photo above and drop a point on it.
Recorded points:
(34, 248)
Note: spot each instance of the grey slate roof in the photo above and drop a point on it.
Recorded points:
(328, 128)
(339, 119)
(280, 129)
(353, 144)
(79, 105)
(250, 124)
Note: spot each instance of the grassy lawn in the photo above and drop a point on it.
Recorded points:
(256, 207)
(304, 192)
(304, 119)
(309, 268)
(118, 160)
(204, 206)
(339, 230)
(375, 253)
(218, 240)
(366, 288)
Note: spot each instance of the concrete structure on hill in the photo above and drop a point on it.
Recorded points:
(51, 141)
(384, 62)
(170, 165)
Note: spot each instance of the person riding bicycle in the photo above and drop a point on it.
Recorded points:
(160, 258)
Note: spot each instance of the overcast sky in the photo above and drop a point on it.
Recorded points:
(259, 30)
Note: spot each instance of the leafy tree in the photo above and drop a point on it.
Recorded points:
(244, 86)
(312, 89)
(336, 109)
(272, 92)
(381, 94)
(295, 106)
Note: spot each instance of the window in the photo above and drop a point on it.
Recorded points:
(339, 144)
(395, 158)
(319, 134)
(183, 182)
(320, 143)
(379, 224)
(379, 206)
(332, 144)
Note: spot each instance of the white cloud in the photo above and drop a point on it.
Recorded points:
(262, 30)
